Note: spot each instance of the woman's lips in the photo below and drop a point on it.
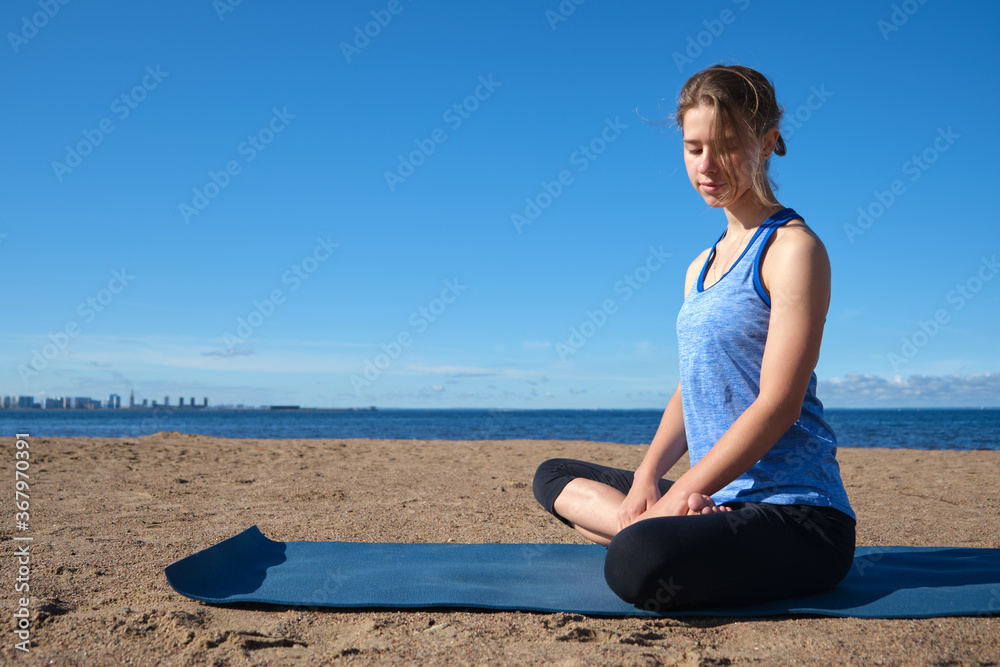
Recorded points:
(709, 186)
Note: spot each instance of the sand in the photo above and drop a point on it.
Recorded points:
(108, 515)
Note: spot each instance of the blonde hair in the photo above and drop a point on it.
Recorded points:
(744, 105)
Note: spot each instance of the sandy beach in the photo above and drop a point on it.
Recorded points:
(108, 515)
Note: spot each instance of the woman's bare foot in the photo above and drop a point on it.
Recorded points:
(699, 503)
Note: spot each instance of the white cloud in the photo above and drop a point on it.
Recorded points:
(468, 371)
(228, 353)
(856, 390)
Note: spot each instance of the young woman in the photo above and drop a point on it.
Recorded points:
(762, 513)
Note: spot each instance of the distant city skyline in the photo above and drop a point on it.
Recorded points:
(86, 402)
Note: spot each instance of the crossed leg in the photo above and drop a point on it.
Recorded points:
(591, 508)
(746, 553)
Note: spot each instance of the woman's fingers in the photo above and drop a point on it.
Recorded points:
(632, 511)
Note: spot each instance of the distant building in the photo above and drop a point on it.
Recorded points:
(113, 402)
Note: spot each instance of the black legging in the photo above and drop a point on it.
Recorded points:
(756, 552)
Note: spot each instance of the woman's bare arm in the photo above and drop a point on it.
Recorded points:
(798, 279)
(668, 445)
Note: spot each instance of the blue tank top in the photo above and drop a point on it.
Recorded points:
(721, 333)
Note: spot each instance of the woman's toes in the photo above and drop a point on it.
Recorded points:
(699, 503)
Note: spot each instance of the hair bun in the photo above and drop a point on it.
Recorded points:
(779, 147)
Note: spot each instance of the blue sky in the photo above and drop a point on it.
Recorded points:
(416, 204)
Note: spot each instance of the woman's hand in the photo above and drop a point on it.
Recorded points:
(673, 503)
(641, 497)
(679, 502)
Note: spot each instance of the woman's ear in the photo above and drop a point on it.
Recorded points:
(767, 143)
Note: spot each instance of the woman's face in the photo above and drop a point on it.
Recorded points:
(703, 166)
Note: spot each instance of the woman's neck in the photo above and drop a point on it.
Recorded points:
(748, 214)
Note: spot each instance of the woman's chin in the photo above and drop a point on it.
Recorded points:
(713, 201)
(713, 198)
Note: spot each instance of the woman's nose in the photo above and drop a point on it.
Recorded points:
(707, 163)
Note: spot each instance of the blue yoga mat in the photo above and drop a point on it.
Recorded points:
(885, 582)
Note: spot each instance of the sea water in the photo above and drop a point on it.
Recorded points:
(896, 428)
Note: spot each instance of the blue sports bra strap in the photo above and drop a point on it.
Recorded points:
(775, 221)
(781, 217)
(699, 284)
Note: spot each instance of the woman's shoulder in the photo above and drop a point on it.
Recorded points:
(794, 260)
(795, 241)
